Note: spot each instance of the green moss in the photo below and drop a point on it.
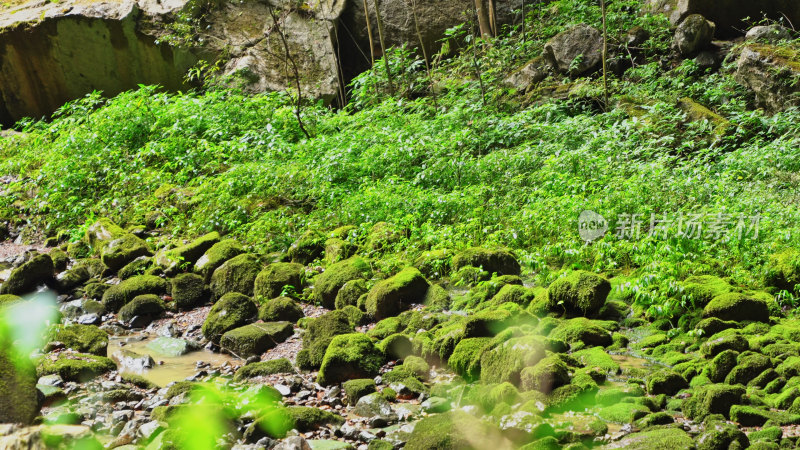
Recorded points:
(233, 310)
(720, 342)
(180, 388)
(215, 256)
(19, 401)
(26, 278)
(350, 292)
(622, 413)
(385, 328)
(396, 346)
(319, 334)
(772, 434)
(751, 416)
(501, 262)
(255, 339)
(354, 315)
(264, 368)
(783, 270)
(454, 430)
(118, 252)
(389, 297)
(666, 382)
(136, 267)
(668, 438)
(721, 365)
(78, 367)
(703, 288)
(712, 399)
(337, 250)
(188, 291)
(81, 338)
(309, 419)
(417, 366)
(308, 247)
(596, 357)
(748, 367)
(59, 258)
(9, 299)
(119, 295)
(355, 389)
(328, 283)
(505, 361)
(280, 309)
(466, 358)
(187, 255)
(349, 356)
(579, 292)
(137, 380)
(237, 274)
(435, 263)
(271, 281)
(654, 340)
(548, 374)
(488, 322)
(436, 298)
(382, 235)
(737, 307)
(579, 332)
(149, 305)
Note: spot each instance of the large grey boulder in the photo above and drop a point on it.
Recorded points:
(728, 15)
(576, 51)
(693, 34)
(768, 33)
(768, 71)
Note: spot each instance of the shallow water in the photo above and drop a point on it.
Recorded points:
(174, 368)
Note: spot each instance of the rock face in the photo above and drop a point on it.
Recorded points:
(768, 71)
(575, 51)
(693, 34)
(729, 15)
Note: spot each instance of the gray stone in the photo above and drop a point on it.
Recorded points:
(729, 15)
(132, 361)
(768, 33)
(293, 443)
(693, 34)
(167, 346)
(377, 408)
(576, 51)
(768, 71)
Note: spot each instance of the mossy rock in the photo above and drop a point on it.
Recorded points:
(749, 366)
(19, 401)
(147, 305)
(753, 416)
(546, 375)
(721, 365)
(237, 274)
(737, 307)
(186, 256)
(658, 439)
(382, 235)
(418, 366)
(94, 266)
(436, 298)
(435, 263)
(720, 342)
(308, 247)
(355, 389)
(119, 295)
(579, 293)
(338, 249)
(389, 297)
(396, 346)
(712, 325)
(79, 367)
(9, 299)
(188, 291)
(783, 270)
(623, 413)
(271, 281)
(488, 322)
(505, 361)
(703, 288)
(118, 252)
(256, 338)
(466, 358)
(350, 292)
(233, 310)
(771, 434)
(347, 357)
(712, 399)
(501, 262)
(596, 357)
(320, 333)
(26, 278)
(280, 309)
(59, 258)
(386, 328)
(81, 338)
(216, 256)
(666, 382)
(264, 368)
(309, 419)
(512, 293)
(580, 332)
(328, 283)
(136, 267)
(455, 430)
(95, 291)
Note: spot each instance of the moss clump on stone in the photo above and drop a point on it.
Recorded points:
(148, 305)
(712, 399)
(328, 283)
(309, 419)
(580, 332)
(724, 341)
(386, 328)
(623, 413)
(596, 357)
(455, 430)
(264, 368)
(95, 291)
(466, 357)
(753, 416)
(271, 281)
(417, 366)
(81, 338)
(308, 247)
(185, 256)
(119, 295)
(666, 382)
(280, 309)
(513, 293)
(396, 346)
(389, 297)
(233, 310)
(355, 389)
(19, 401)
(488, 322)
(721, 365)
(783, 270)
(579, 293)
(216, 256)
(505, 361)
(9, 299)
(237, 274)
(434, 263)
(59, 258)
(137, 380)
(703, 288)
(382, 235)
(548, 374)
(748, 367)
(79, 367)
(338, 249)
(256, 338)
(737, 307)
(350, 292)
(26, 278)
(501, 262)
(349, 356)
(658, 439)
(436, 298)
(188, 291)
(118, 252)
(320, 333)
(354, 315)
(180, 388)
(136, 267)
(93, 266)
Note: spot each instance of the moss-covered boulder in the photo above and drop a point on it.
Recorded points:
(280, 309)
(505, 361)
(309, 419)
(748, 367)
(578, 293)
(81, 338)
(665, 382)
(350, 292)
(189, 291)
(712, 399)
(389, 297)
(547, 374)
(94, 266)
(724, 341)
(186, 256)
(148, 306)
(119, 295)
(26, 278)
(138, 266)
(783, 270)
(328, 283)
(308, 247)
(382, 235)
(237, 274)
(19, 401)
(580, 332)
(514, 293)
(435, 263)
(455, 430)
(703, 288)
(271, 281)
(349, 356)
(396, 346)
(264, 368)
(79, 367)
(118, 252)
(657, 439)
(68, 280)
(466, 358)
(355, 389)
(233, 310)
(436, 298)
(319, 334)
(216, 256)
(9, 299)
(59, 258)
(720, 434)
(338, 249)
(501, 262)
(721, 365)
(256, 338)
(737, 307)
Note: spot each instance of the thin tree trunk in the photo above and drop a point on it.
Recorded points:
(424, 52)
(299, 103)
(483, 19)
(369, 33)
(475, 65)
(383, 47)
(493, 17)
(605, 53)
(523, 21)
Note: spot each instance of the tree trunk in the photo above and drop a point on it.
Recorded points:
(483, 19)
